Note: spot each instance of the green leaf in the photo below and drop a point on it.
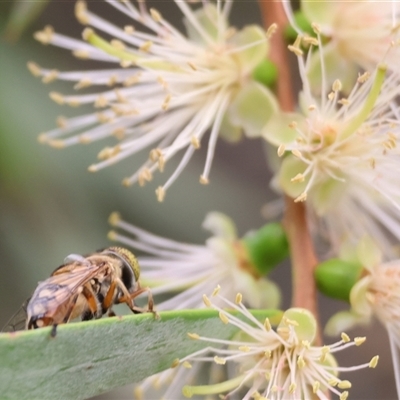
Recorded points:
(92, 357)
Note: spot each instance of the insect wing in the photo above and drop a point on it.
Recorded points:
(18, 320)
(67, 280)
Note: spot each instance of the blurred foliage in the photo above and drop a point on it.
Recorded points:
(21, 15)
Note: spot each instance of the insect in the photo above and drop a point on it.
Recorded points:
(85, 287)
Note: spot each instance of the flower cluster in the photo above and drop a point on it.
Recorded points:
(355, 34)
(340, 155)
(167, 90)
(274, 364)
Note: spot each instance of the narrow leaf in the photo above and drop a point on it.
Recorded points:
(89, 358)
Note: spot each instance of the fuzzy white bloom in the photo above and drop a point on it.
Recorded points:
(167, 91)
(342, 156)
(356, 34)
(186, 271)
(273, 364)
(189, 270)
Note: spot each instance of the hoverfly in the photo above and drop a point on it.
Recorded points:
(85, 287)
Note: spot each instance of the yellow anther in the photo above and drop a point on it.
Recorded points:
(223, 317)
(193, 336)
(359, 340)
(160, 193)
(345, 337)
(216, 291)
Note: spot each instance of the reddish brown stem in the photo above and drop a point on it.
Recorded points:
(295, 222)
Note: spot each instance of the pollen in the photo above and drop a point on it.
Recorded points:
(108, 152)
(57, 144)
(45, 36)
(126, 182)
(374, 362)
(345, 337)
(112, 235)
(216, 291)
(359, 340)
(42, 138)
(57, 97)
(267, 324)
(363, 77)
(87, 33)
(166, 102)
(161, 163)
(295, 47)
(297, 153)
(300, 362)
(62, 122)
(117, 44)
(34, 68)
(146, 46)
(175, 363)
(206, 301)
(145, 175)
(281, 150)
(316, 28)
(191, 65)
(204, 180)
(132, 80)
(337, 86)
(219, 360)
(238, 298)
(187, 364)
(301, 198)
(83, 83)
(223, 317)
(344, 384)
(101, 102)
(193, 336)
(160, 193)
(316, 386)
(81, 13)
(129, 29)
(271, 30)
(195, 142)
(298, 178)
(81, 54)
(310, 40)
(156, 15)
(344, 396)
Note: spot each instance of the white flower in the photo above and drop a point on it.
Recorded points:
(281, 364)
(342, 156)
(167, 90)
(377, 294)
(356, 34)
(189, 270)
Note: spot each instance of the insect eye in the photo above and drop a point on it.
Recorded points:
(129, 259)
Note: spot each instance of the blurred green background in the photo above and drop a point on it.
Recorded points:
(50, 206)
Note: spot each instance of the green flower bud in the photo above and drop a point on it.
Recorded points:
(266, 247)
(303, 322)
(302, 22)
(335, 278)
(266, 73)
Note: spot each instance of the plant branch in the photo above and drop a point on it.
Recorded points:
(302, 251)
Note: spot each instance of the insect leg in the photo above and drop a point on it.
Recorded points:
(109, 299)
(92, 303)
(128, 299)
